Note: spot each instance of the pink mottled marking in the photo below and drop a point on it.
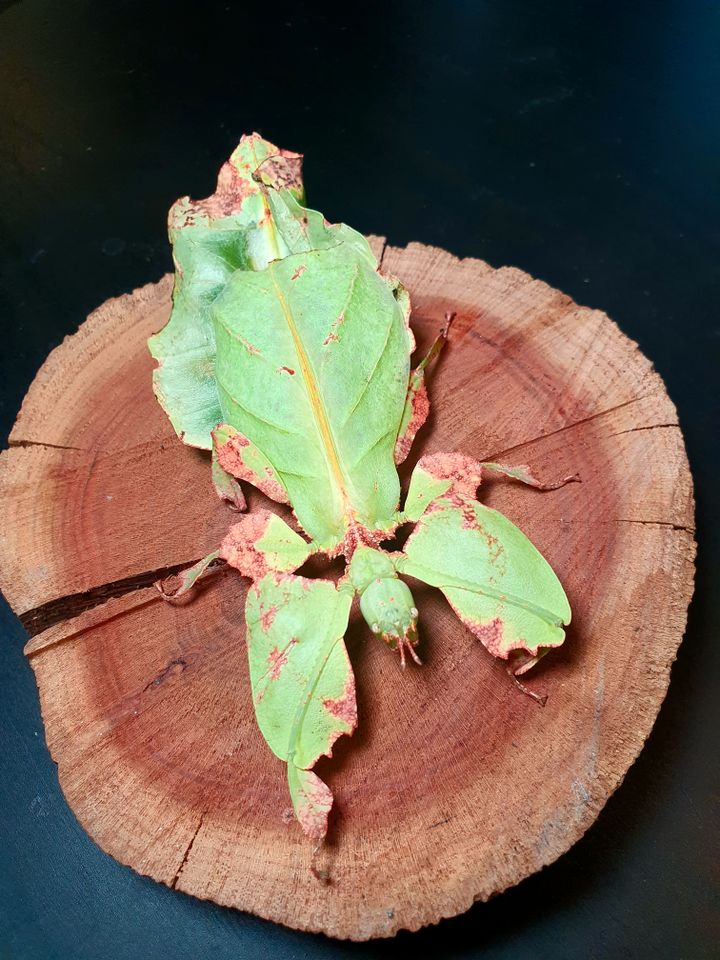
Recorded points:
(250, 347)
(332, 335)
(238, 547)
(232, 190)
(278, 658)
(464, 471)
(344, 707)
(271, 487)
(232, 456)
(266, 619)
(314, 806)
(470, 521)
(420, 410)
(490, 635)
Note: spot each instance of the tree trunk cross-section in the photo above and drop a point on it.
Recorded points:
(455, 786)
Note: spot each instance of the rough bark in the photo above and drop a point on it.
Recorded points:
(455, 785)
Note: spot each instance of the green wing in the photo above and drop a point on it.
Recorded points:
(312, 367)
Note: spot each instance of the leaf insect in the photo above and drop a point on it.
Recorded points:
(287, 355)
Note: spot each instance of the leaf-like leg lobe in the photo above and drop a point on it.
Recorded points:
(261, 542)
(493, 577)
(239, 457)
(226, 486)
(302, 681)
(451, 474)
(440, 474)
(187, 579)
(417, 404)
(524, 475)
(312, 801)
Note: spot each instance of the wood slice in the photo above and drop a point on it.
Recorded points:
(455, 785)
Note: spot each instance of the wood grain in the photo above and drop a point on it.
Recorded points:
(455, 786)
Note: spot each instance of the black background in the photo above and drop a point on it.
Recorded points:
(578, 141)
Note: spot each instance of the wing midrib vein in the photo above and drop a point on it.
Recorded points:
(316, 402)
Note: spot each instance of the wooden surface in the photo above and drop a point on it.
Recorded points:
(455, 786)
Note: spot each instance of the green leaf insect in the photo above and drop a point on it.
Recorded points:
(287, 355)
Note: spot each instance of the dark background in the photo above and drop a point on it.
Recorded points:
(578, 141)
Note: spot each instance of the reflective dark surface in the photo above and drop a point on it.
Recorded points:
(579, 141)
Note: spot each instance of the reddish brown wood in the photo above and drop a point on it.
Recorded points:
(455, 786)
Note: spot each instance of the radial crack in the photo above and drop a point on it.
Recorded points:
(657, 523)
(651, 426)
(188, 850)
(569, 426)
(381, 258)
(12, 444)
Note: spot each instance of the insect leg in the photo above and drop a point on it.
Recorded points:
(226, 486)
(187, 578)
(417, 404)
(523, 474)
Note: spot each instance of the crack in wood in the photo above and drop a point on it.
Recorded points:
(65, 608)
(657, 523)
(651, 426)
(170, 670)
(381, 257)
(188, 850)
(647, 523)
(12, 444)
(439, 823)
(70, 606)
(569, 426)
(41, 641)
